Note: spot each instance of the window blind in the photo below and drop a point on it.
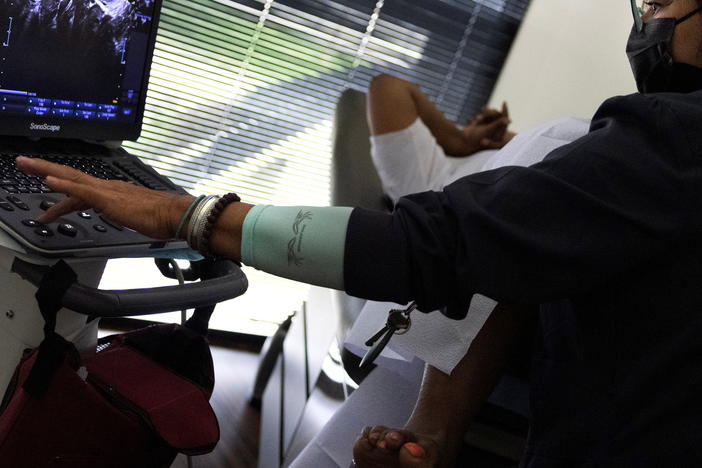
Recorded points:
(242, 93)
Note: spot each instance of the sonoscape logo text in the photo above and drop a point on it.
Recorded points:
(44, 127)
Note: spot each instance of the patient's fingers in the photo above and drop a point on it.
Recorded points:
(488, 116)
(486, 143)
(485, 115)
(497, 128)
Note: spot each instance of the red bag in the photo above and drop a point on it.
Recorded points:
(119, 408)
(139, 401)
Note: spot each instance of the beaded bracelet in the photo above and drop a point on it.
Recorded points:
(212, 217)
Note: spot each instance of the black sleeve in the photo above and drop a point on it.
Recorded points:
(591, 210)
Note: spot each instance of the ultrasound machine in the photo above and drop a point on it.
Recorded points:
(73, 80)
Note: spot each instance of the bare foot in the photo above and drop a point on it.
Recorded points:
(382, 447)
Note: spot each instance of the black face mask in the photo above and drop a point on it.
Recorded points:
(650, 56)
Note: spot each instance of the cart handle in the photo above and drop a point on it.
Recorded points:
(147, 301)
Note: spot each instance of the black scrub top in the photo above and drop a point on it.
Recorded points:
(604, 234)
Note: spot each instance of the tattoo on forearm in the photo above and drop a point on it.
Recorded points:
(295, 244)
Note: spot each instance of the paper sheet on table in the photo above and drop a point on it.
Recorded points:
(433, 338)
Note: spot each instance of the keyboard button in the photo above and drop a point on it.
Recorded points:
(85, 215)
(10, 189)
(6, 206)
(18, 203)
(31, 223)
(100, 228)
(46, 204)
(67, 230)
(44, 231)
(114, 224)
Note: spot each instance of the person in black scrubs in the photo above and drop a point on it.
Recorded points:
(443, 413)
(602, 236)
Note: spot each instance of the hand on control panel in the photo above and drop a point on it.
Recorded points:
(150, 212)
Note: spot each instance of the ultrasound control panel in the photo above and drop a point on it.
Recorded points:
(23, 198)
(73, 72)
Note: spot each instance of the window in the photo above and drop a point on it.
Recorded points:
(242, 95)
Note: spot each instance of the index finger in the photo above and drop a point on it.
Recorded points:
(42, 168)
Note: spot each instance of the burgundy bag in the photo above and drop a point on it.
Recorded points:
(141, 399)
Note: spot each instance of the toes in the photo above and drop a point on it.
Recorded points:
(415, 450)
(396, 438)
(380, 446)
(387, 438)
(366, 432)
(362, 447)
(366, 455)
(376, 435)
(373, 434)
(418, 455)
(368, 440)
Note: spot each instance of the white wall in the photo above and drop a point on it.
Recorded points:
(568, 57)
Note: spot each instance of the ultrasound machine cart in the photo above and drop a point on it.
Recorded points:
(73, 79)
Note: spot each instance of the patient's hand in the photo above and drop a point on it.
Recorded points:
(489, 129)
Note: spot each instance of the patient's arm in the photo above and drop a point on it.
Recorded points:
(447, 403)
(394, 104)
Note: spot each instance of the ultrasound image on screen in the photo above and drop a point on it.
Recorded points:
(90, 51)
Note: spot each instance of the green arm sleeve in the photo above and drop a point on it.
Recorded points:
(302, 243)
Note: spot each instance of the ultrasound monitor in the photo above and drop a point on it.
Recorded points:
(73, 79)
(75, 68)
